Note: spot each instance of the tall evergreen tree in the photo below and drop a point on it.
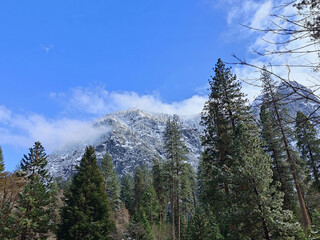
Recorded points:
(145, 197)
(1, 161)
(273, 101)
(141, 181)
(145, 204)
(85, 214)
(309, 147)
(127, 192)
(203, 225)
(34, 207)
(112, 181)
(259, 213)
(224, 109)
(159, 185)
(175, 152)
(188, 192)
(273, 145)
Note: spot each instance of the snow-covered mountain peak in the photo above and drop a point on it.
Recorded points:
(134, 137)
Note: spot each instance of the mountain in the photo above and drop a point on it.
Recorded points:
(132, 137)
(293, 101)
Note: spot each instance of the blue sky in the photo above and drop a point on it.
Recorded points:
(66, 63)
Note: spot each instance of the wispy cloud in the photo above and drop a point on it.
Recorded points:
(260, 17)
(259, 14)
(22, 130)
(47, 48)
(55, 134)
(98, 101)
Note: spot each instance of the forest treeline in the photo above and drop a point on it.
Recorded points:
(256, 179)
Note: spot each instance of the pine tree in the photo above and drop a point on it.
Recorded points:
(1, 161)
(140, 227)
(224, 109)
(112, 181)
(273, 145)
(150, 204)
(85, 214)
(141, 181)
(259, 212)
(187, 193)
(145, 212)
(127, 193)
(159, 185)
(145, 197)
(175, 152)
(273, 102)
(308, 144)
(203, 226)
(34, 207)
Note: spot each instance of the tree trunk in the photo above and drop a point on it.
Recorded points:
(178, 219)
(276, 162)
(194, 200)
(264, 224)
(173, 237)
(306, 220)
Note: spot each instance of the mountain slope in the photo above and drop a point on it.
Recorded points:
(294, 102)
(134, 137)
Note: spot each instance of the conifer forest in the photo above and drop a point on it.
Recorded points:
(258, 176)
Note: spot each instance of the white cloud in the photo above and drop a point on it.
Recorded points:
(47, 48)
(23, 130)
(5, 114)
(260, 16)
(241, 11)
(151, 103)
(98, 101)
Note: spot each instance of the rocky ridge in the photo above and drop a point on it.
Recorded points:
(135, 137)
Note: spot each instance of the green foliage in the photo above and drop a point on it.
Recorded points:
(203, 226)
(161, 231)
(150, 204)
(141, 181)
(8, 222)
(34, 207)
(221, 113)
(159, 185)
(273, 145)
(309, 147)
(175, 149)
(145, 197)
(112, 181)
(258, 213)
(314, 232)
(187, 190)
(179, 174)
(274, 102)
(33, 165)
(127, 192)
(86, 211)
(140, 227)
(1, 161)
